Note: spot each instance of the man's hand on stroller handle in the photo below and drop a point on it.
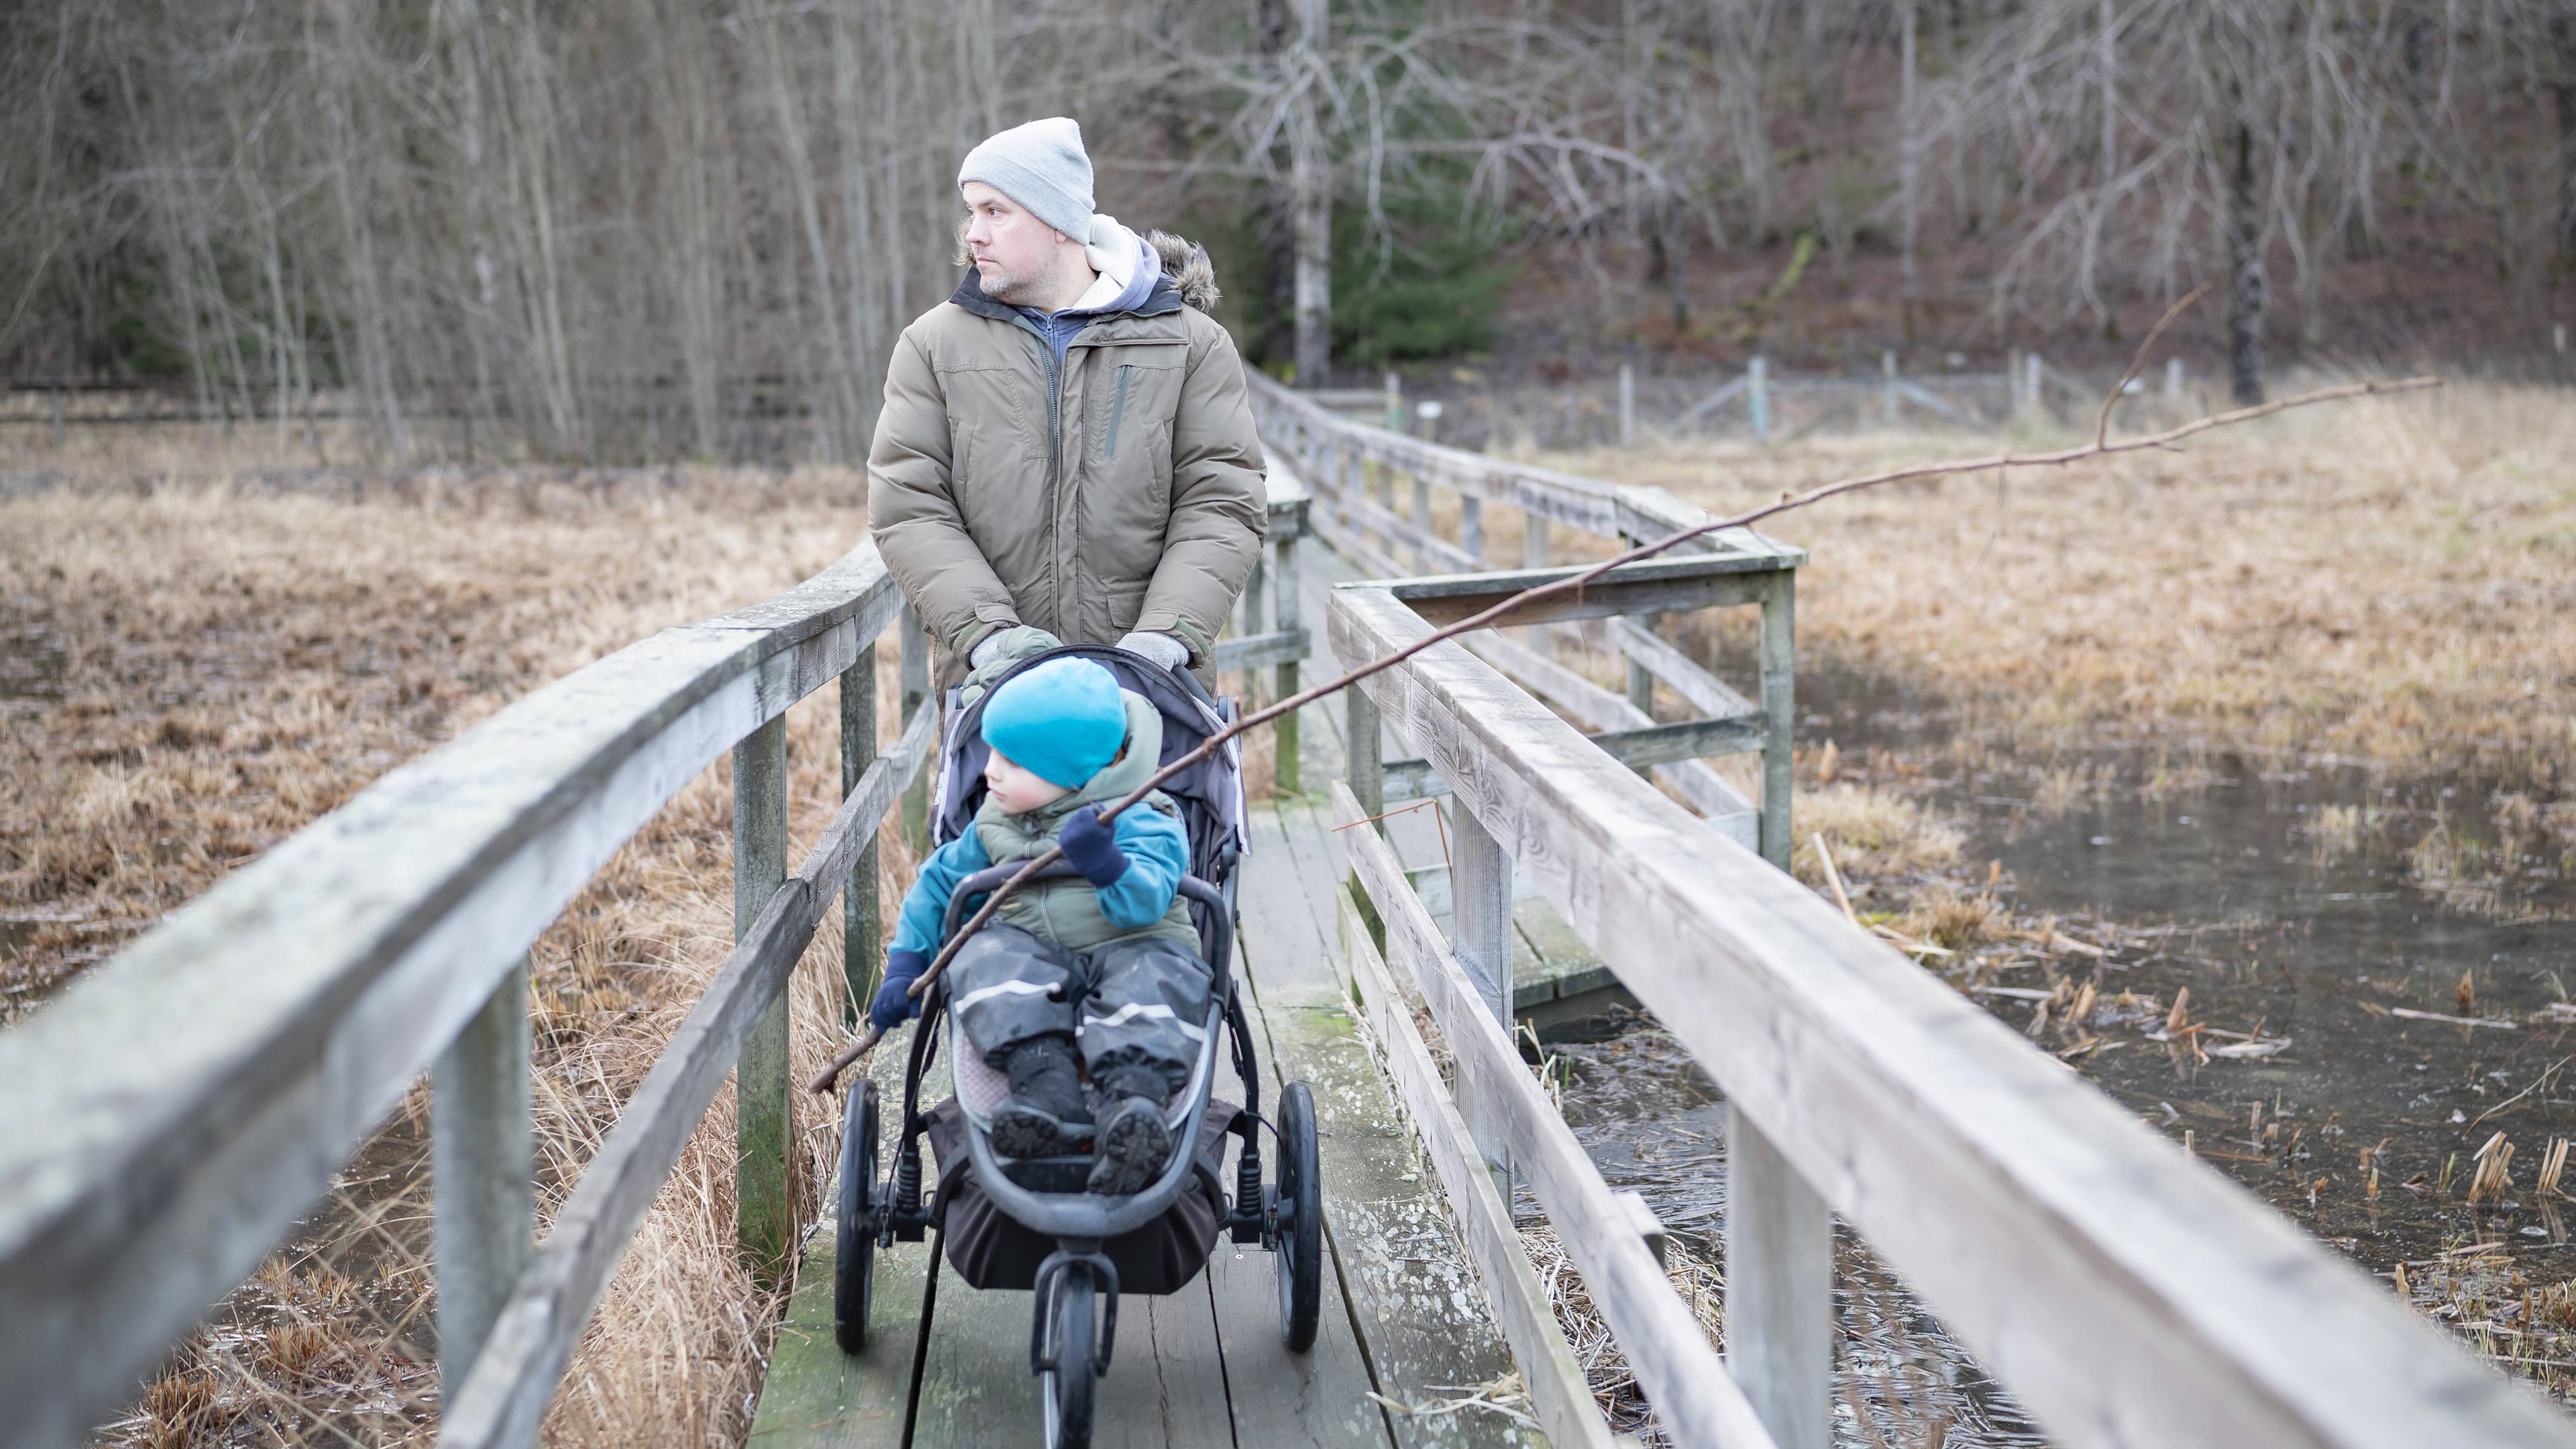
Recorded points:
(1091, 846)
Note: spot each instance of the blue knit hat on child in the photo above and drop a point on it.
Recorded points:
(1062, 721)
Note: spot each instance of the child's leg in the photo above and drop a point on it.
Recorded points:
(1145, 1016)
(1008, 986)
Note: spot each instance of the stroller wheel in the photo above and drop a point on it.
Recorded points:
(1066, 1380)
(1301, 1219)
(854, 1241)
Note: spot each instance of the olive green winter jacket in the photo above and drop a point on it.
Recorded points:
(1121, 492)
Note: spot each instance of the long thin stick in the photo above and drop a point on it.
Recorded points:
(2100, 447)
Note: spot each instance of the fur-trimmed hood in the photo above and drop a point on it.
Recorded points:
(1186, 264)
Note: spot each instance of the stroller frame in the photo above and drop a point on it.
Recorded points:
(1067, 1351)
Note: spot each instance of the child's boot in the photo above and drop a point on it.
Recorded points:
(1134, 1144)
(1045, 1115)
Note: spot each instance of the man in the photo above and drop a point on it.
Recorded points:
(1066, 442)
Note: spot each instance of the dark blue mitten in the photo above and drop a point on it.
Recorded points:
(893, 1005)
(1092, 848)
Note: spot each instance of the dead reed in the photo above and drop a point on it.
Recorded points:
(2388, 580)
(202, 664)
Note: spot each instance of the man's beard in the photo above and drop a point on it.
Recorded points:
(1023, 290)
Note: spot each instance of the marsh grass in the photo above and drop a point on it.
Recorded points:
(222, 656)
(2387, 579)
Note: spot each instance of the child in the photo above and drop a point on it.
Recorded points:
(1106, 965)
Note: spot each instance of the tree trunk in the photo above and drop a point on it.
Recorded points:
(1311, 180)
(1274, 222)
(2562, 91)
(2245, 292)
(1909, 173)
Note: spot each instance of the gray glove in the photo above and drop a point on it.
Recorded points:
(984, 650)
(1167, 652)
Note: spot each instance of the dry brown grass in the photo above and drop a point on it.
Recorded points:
(2388, 578)
(206, 664)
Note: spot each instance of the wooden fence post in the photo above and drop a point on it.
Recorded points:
(1757, 398)
(1779, 1289)
(2033, 369)
(1627, 405)
(1535, 554)
(1471, 524)
(2012, 386)
(1287, 778)
(861, 930)
(1394, 403)
(2173, 381)
(482, 1155)
(1480, 921)
(1887, 386)
(914, 680)
(1422, 520)
(1779, 711)
(1367, 761)
(763, 1213)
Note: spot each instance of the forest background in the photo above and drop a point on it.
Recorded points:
(682, 229)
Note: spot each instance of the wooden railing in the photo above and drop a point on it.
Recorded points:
(1343, 462)
(184, 1103)
(2125, 1294)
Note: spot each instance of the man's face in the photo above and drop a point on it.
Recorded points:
(1017, 257)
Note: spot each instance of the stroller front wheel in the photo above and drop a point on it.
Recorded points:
(1301, 1213)
(1066, 1375)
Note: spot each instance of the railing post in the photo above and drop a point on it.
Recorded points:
(1887, 389)
(482, 1156)
(1480, 923)
(1757, 398)
(763, 1214)
(1779, 712)
(1422, 521)
(1471, 525)
(1288, 778)
(1394, 403)
(1367, 762)
(1627, 405)
(1779, 1289)
(860, 927)
(1535, 554)
(914, 677)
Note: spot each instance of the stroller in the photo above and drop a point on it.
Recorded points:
(1029, 1223)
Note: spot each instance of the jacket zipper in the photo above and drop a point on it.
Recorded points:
(1117, 410)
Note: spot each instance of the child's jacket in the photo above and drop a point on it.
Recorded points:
(1071, 912)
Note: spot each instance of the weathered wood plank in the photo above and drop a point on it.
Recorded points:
(764, 1210)
(1553, 1378)
(482, 1171)
(499, 1404)
(1651, 586)
(1693, 1394)
(1705, 692)
(1644, 746)
(1724, 807)
(1779, 1289)
(1949, 1142)
(814, 1394)
(291, 1005)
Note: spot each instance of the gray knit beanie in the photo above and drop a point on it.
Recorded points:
(1041, 166)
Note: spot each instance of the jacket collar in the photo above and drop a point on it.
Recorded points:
(1164, 300)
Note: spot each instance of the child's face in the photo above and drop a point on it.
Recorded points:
(1015, 789)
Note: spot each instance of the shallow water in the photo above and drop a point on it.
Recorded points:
(2297, 902)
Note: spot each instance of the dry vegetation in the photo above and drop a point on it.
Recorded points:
(199, 664)
(2386, 579)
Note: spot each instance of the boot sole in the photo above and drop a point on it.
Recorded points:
(1135, 1147)
(1020, 1131)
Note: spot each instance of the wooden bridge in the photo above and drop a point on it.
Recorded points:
(181, 1106)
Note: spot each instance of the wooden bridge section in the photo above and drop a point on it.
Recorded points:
(2126, 1295)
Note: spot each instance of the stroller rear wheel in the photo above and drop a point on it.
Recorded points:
(1066, 1372)
(1301, 1219)
(854, 1239)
